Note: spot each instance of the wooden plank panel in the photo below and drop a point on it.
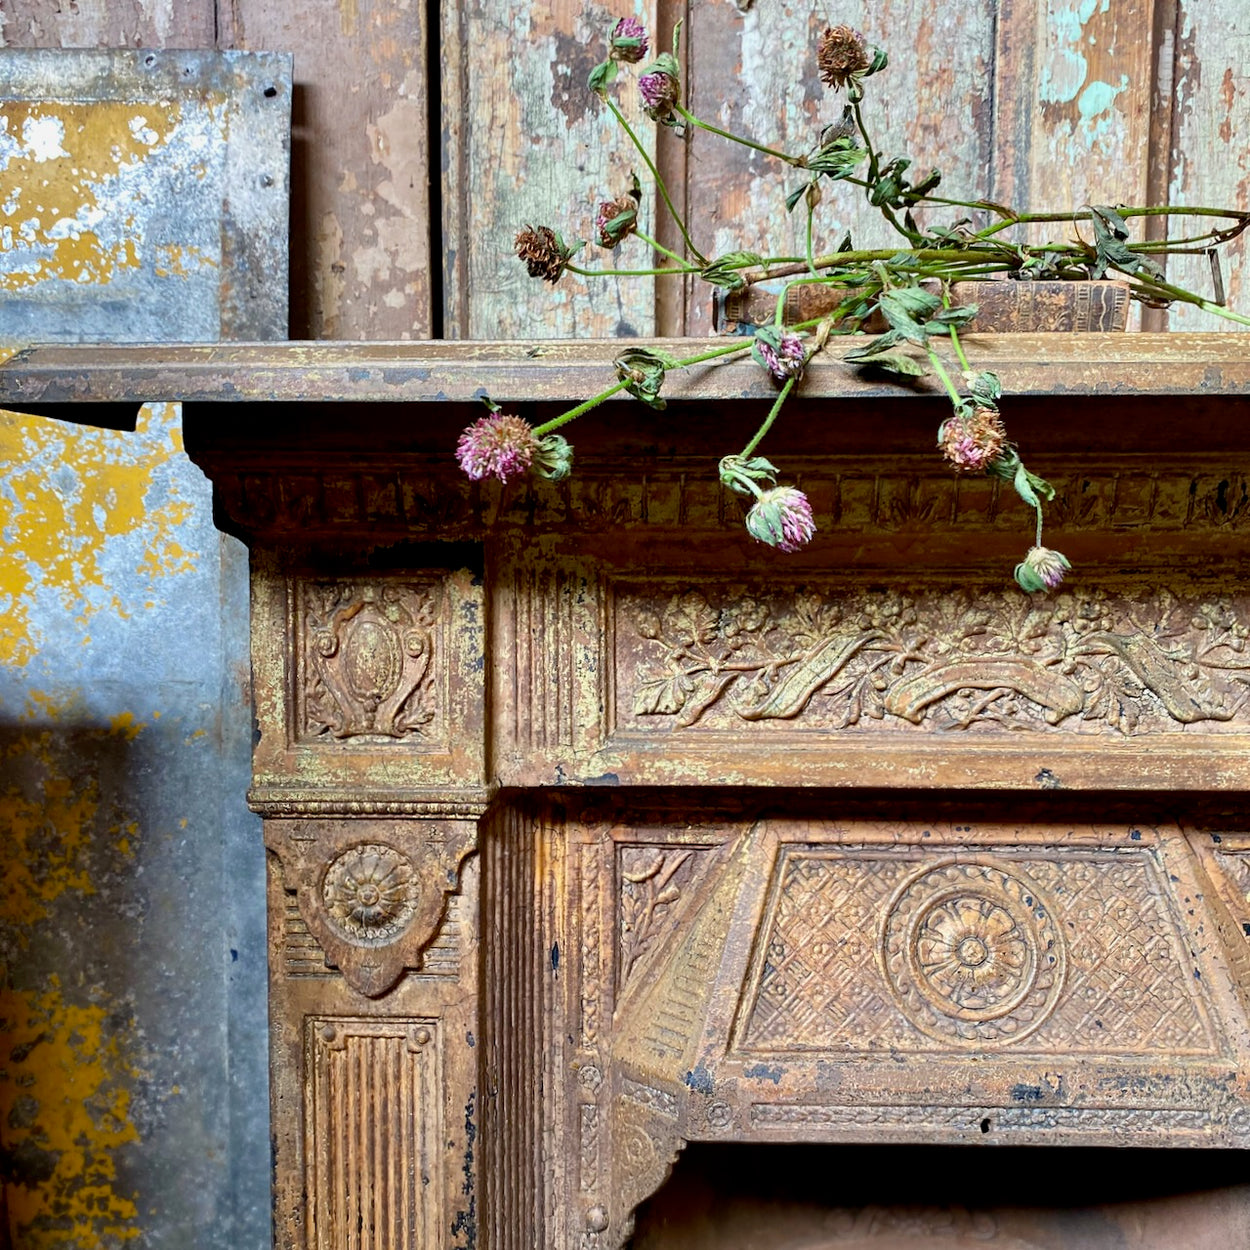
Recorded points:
(360, 227)
(107, 24)
(1072, 87)
(754, 72)
(1211, 158)
(525, 142)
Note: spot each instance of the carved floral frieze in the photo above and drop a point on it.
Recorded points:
(993, 660)
(367, 657)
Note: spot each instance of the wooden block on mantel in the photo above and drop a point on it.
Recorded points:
(1003, 307)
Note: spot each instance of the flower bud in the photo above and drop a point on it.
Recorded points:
(780, 352)
(842, 56)
(629, 41)
(544, 252)
(1042, 569)
(500, 445)
(782, 518)
(971, 441)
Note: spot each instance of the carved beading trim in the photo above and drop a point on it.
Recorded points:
(857, 660)
(1197, 1120)
(277, 804)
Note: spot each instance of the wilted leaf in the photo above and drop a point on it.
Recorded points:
(896, 362)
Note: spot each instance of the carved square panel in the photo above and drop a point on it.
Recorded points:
(369, 691)
(371, 662)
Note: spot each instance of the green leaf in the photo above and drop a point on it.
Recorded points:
(602, 77)
(724, 270)
(960, 315)
(838, 159)
(795, 196)
(896, 362)
(902, 308)
(1024, 488)
(986, 389)
(883, 343)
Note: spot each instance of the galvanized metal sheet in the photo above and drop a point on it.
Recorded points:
(143, 195)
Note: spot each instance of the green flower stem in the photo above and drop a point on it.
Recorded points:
(874, 166)
(783, 267)
(573, 413)
(811, 261)
(659, 182)
(733, 138)
(1170, 210)
(659, 247)
(1037, 542)
(715, 354)
(1157, 287)
(768, 420)
(959, 347)
(631, 273)
(940, 369)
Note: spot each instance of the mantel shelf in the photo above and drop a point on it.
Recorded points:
(41, 379)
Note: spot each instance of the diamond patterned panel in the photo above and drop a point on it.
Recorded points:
(1130, 989)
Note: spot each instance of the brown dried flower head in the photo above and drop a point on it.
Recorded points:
(841, 54)
(544, 255)
(973, 442)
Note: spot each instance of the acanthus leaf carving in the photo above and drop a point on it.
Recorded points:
(951, 659)
(652, 881)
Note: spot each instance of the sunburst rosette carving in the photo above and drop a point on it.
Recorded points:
(370, 894)
(373, 893)
(972, 954)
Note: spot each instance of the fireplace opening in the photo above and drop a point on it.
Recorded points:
(857, 1197)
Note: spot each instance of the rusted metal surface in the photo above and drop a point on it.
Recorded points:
(569, 372)
(147, 195)
(162, 24)
(617, 733)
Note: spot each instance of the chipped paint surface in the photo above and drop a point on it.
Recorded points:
(536, 147)
(131, 870)
(141, 192)
(66, 502)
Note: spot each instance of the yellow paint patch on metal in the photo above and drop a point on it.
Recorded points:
(64, 178)
(65, 492)
(51, 828)
(66, 1107)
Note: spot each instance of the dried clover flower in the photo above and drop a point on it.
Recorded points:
(629, 41)
(543, 252)
(782, 518)
(1042, 569)
(781, 352)
(972, 441)
(616, 220)
(660, 91)
(842, 55)
(500, 445)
